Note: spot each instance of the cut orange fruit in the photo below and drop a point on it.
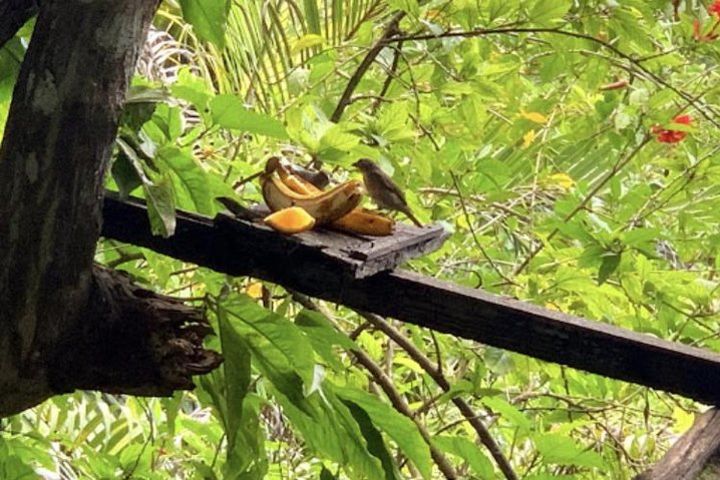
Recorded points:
(290, 220)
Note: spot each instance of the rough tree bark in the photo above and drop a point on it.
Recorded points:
(65, 324)
(695, 456)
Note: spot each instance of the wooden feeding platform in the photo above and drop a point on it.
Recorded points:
(359, 255)
(339, 268)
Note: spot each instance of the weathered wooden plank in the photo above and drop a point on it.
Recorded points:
(365, 255)
(464, 312)
(695, 456)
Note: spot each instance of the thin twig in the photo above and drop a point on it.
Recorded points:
(390, 77)
(474, 235)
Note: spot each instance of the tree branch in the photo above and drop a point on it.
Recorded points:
(637, 63)
(132, 341)
(419, 357)
(695, 455)
(390, 31)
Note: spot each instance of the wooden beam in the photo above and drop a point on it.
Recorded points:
(240, 248)
(696, 455)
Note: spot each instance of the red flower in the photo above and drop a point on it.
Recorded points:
(699, 36)
(665, 135)
(714, 9)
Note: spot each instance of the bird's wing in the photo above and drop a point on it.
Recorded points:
(385, 180)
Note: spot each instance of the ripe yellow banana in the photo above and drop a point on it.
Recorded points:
(299, 185)
(325, 206)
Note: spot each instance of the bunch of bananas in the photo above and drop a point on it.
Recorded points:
(298, 205)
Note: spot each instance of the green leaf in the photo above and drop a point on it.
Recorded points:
(192, 180)
(562, 450)
(400, 428)
(508, 412)
(308, 41)
(166, 124)
(546, 12)
(375, 443)
(246, 457)
(468, 451)
(312, 15)
(229, 112)
(208, 17)
(191, 88)
(161, 207)
(278, 331)
(125, 175)
(323, 336)
(610, 262)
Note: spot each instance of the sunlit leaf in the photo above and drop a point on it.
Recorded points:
(229, 112)
(209, 17)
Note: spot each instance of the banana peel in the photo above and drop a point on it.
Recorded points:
(297, 184)
(365, 222)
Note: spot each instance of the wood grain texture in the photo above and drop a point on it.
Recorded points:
(595, 347)
(695, 456)
(362, 255)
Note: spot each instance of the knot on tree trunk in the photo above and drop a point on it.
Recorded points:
(133, 341)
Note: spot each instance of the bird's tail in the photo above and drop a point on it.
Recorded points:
(412, 217)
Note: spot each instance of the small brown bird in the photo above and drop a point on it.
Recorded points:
(383, 190)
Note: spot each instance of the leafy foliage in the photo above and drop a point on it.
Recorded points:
(526, 127)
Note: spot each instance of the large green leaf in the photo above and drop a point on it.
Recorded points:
(161, 206)
(249, 318)
(246, 443)
(209, 17)
(325, 423)
(398, 427)
(469, 452)
(323, 336)
(192, 182)
(375, 443)
(229, 112)
(546, 12)
(562, 450)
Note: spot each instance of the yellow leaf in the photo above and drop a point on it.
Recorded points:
(308, 40)
(561, 180)
(254, 290)
(534, 117)
(528, 138)
(683, 420)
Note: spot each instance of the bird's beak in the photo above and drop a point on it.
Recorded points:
(356, 164)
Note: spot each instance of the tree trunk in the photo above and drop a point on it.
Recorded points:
(65, 324)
